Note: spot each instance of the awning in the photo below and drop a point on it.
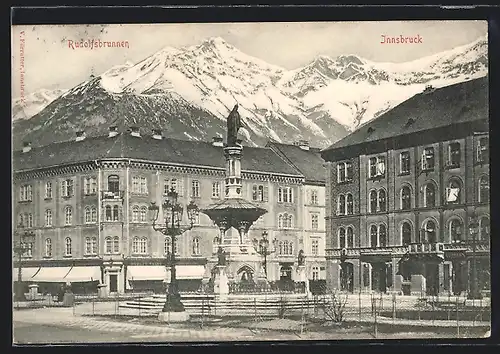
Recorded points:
(51, 275)
(26, 273)
(83, 274)
(188, 272)
(136, 273)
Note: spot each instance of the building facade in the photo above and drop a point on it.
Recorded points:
(408, 197)
(87, 200)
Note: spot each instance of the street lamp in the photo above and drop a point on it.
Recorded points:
(173, 212)
(23, 245)
(262, 247)
(473, 230)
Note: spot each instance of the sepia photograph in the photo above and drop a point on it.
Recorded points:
(250, 181)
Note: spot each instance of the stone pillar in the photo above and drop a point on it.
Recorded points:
(440, 278)
(302, 277)
(33, 292)
(221, 282)
(396, 287)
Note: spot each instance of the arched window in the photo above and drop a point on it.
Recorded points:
(115, 213)
(453, 191)
(280, 247)
(68, 215)
(350, 204)
(285, 247)
(144, 214)
(196, 246)
(48, 217)
(342, 240)
(168, 246)
(48, 247)
(484, 189)
(280, 221)
(135, 245)
(88, 215)
(406, 233)
(484, 229)
(430, 232)
(143, 245)
(456, 230)
(405, 198)
(382, 235)
(109, 216)
(67, 246)
(135, 214)
(90, 245)
(429, 195)
(382, 202)
(116, 244)
(290, 220)
(373, 236)
(350, 237)
(341, 206)
(109, 245)
(373, 202)
(114, 184)
(93, 214)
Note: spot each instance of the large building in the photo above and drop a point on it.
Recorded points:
(86, 200)
(407, 197)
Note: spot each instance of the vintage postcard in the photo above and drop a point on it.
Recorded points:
(250, 181)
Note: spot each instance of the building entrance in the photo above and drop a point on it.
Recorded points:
(379, 277)
(432, 279)
(113, 283)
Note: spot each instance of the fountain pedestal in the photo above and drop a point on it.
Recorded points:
(221, 282)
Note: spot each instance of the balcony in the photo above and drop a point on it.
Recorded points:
(420, 248)
(109, 195)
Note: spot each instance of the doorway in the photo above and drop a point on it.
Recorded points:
(347, 277)
(113, 283)
(459, 278)
(379, 277)
(432, 279)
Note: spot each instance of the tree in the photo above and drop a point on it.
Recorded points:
(333, 305)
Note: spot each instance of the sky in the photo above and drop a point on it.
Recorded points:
(49, 62)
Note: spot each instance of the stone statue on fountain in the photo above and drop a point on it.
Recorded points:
(234, 124)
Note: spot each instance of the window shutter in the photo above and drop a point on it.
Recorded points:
(266, 193)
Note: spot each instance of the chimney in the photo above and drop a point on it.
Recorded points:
(217, 141)
(26, 146)
(157, 134)
(303, 144)
(113, 131)
(80, 135)
(134, 131)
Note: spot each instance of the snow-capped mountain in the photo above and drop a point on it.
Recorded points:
(33, 103)
(188, 92)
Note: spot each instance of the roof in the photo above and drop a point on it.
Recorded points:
(438, 108)
(308, 162)
(146, 148)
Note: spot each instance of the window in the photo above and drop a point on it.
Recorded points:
(314, 197)
(116, 213)
(376, 166)
(140, 245)
(456, 228)
(350, 204)
(350, 237)
(315, 273)
(341, 205)
(89, 186)
(48, 217)
(373, 236)
(285, 221)
(25, 193)
(196, 246)
(484, 189)
(285, 195)
(109, 245)
(216, 190)
(429, 195)
(29, 249)
(405, 195)
(429, 232)
(135, 213)
(21, 219)
(314, 221)
(168, 246)
(48, 190)
(90, 214)
(484, 229)
(112, 244)
(454, 155)
(406, 233)
(26, 219)
(68, 215)
(172, 183)
(428, 159)
(109, 213)
(139, 185)
(286, 247)
(342, 239)
(195, 189)
(67, 188)
(344, 172)
(404, 163)
(116, 244)
(93, 214)
(382, 204)
(67, 246)
(144, 214)
(382, 235)
(453, 191)
(315, 247)
(48, 247)
(483, 150)
(373, 201)
(91, 245)
(114, 184)
(258, 193)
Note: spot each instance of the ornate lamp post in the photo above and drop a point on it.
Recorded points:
(473, 289)
(23, 245)
(173, 212)
(262, 247)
